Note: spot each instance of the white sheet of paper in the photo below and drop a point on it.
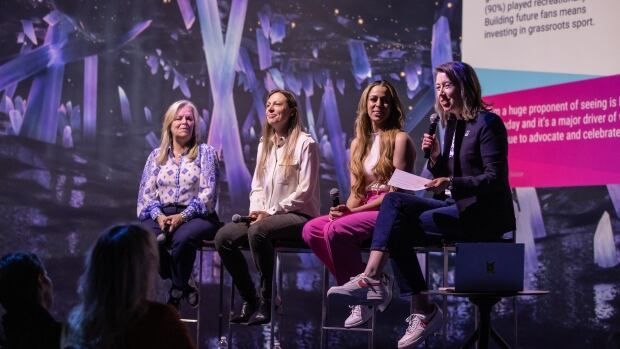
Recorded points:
(405, 180)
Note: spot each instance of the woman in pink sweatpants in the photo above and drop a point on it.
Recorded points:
(378, 148)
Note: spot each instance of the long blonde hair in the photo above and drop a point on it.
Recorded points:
(166, 133)
(384, 167)
(292, 134)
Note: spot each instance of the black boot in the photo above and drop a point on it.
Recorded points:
(247, 309)
(262, 315)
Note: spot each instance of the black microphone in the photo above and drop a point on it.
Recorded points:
(432, 128)
(164, 235)
(334, 193)
(237, 218)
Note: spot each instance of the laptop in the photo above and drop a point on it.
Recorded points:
(488, 267)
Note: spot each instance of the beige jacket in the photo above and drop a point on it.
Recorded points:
(299, 192)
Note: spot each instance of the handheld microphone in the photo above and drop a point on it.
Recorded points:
(432, 128)
(164, 235)
(334, 193)
(237, 218)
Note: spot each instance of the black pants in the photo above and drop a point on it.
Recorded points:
(260, 237)
(177, 260)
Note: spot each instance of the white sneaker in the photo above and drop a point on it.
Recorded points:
(387, 284)
(420, 326)
(359, 315)
(361, 289)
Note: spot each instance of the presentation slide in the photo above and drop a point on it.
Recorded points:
(550, 69)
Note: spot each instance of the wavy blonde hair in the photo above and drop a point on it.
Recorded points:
(384, 167)
(166, 133)
(466, 82)
(293, 131)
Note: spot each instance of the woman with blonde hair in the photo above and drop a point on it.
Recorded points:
(115, 288)
(177, 197)
(284, 195)
(379, 147)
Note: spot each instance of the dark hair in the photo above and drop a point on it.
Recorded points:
(19, 279)
(464, 78)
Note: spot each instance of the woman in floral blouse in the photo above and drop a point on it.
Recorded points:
(177, 197)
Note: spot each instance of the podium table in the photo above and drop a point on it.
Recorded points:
(484, 302)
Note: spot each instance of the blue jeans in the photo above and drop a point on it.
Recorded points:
(177, 260)
(406, 220)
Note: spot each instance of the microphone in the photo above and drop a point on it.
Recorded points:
(164, 235)
(432, 128)
(237, 218)
(334, 193)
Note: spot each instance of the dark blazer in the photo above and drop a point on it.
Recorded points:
(480, 175)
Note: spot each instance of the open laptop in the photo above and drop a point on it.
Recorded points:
(488, 267)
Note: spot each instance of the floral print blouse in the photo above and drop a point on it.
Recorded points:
(187, 183)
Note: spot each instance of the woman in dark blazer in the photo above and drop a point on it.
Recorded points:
(473, 167)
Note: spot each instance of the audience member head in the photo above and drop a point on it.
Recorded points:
(379, 110)
(118, 278)
(24, 282)
(458, 91)
(172, 116)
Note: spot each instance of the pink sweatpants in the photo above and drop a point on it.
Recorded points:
(337, 243)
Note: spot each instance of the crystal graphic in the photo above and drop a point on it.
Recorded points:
(411, 76)
(221, 57)
(441, 45)
(29, 30)
(90, 96)
(530, 205)
(153, 62)
(359, 60)
(264, 50)
(605, 253)
(125, 109)
(180, 81)
(278, 29)
(187, 13)
(614, 195)
(334, 130)
(293, 83)
(277, 78)
(340, 83)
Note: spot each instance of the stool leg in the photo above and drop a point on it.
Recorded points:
(220, 325)
(444, 306)
(231, 311)
(324, 308)
(274, 294)
(371, 334)
(516, 318)
(199, 286)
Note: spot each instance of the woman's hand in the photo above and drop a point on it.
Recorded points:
(162, 221)
(258, 215)
(338, 211)
(175, 221)
(431, 144)
(438, 185)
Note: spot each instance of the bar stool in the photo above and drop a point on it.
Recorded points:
(207, 246)
(280, 247)
(370, 329)
(444, 246)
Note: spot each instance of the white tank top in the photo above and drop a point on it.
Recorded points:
(369, 163)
